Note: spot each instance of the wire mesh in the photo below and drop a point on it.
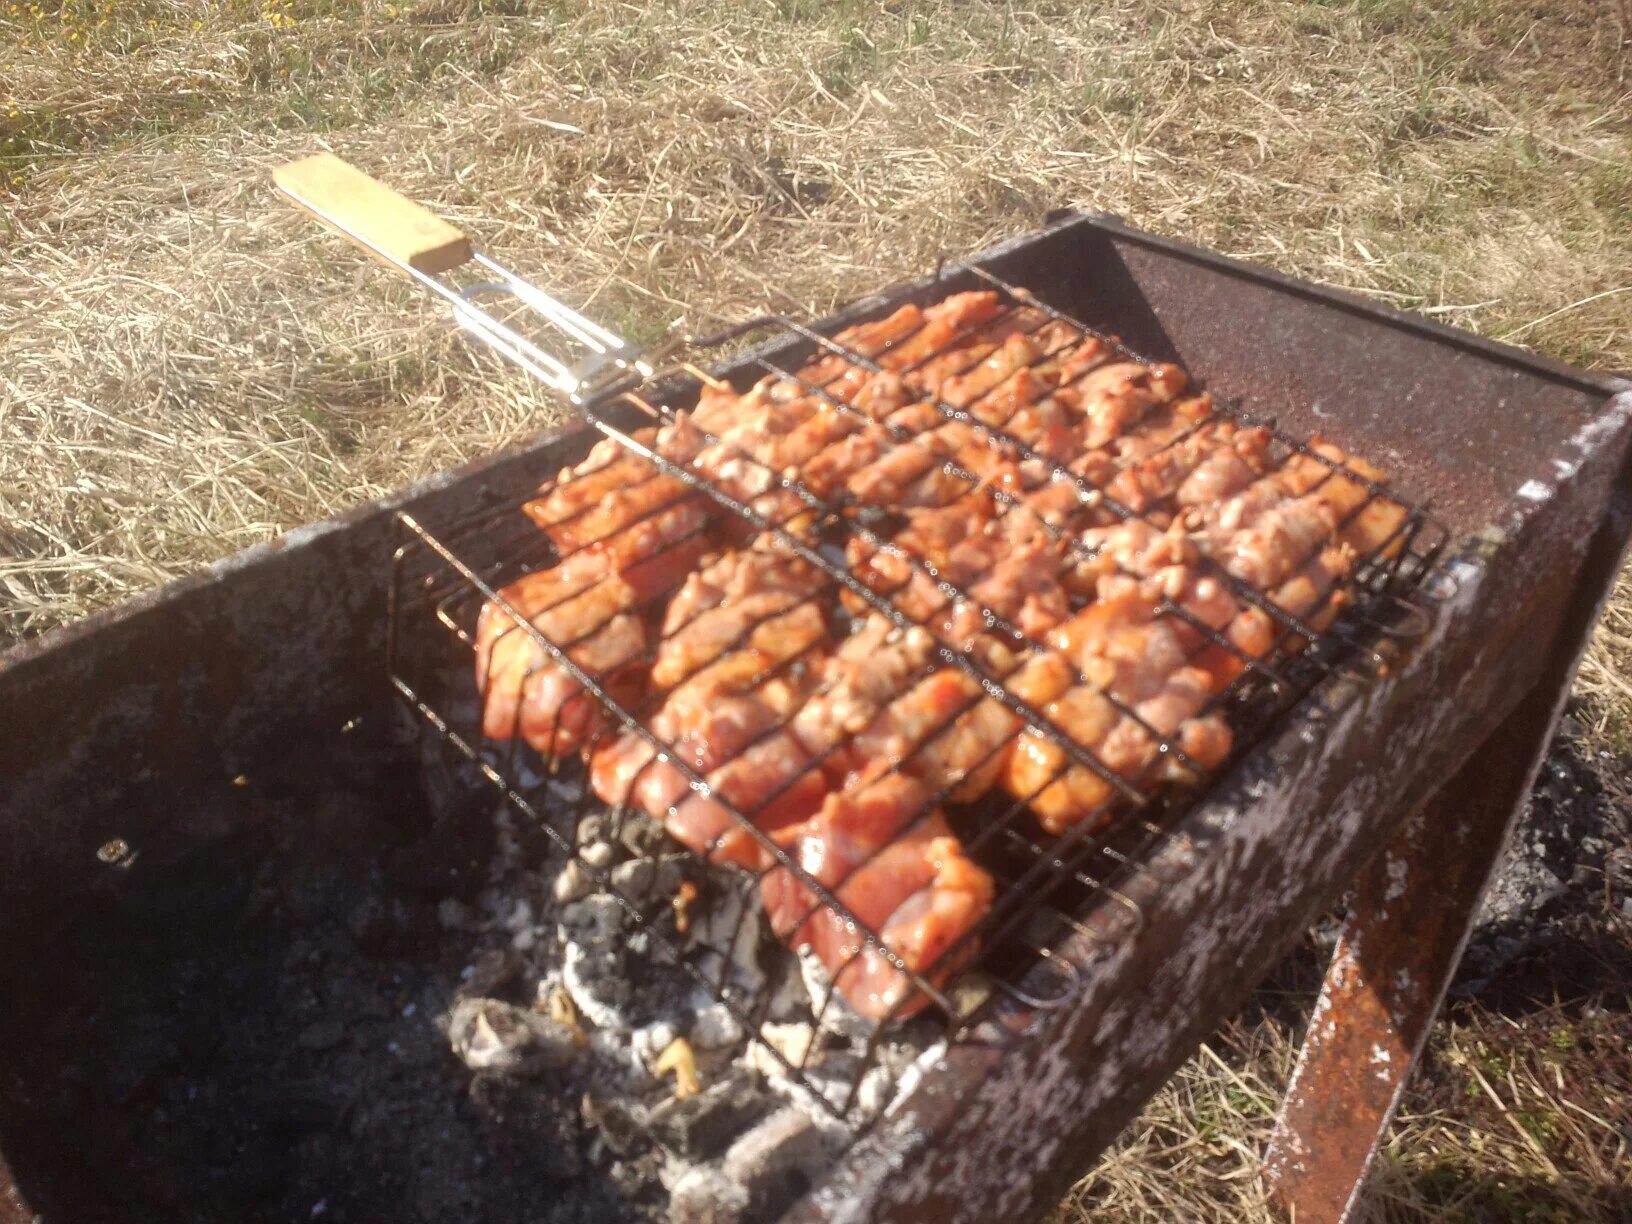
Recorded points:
(700, 494)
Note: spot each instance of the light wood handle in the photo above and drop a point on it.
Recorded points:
(368, 212)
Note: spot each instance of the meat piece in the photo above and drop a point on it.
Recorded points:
(1059, 486)
(914, 471)
(947, 732)
(1226, 469)
(922, 895)
(929, 377)
(1216, 460)
(592, 606)
(869, 669)
(1132, 547)
(937, 544)
(849, 829)
(1267, 532)
(1112, 398)
(1127, 649)
(1217, 525)
(612, 488)
(726, 724)
(892, 862)
(719, 604)
(900, 341)
(968, 388)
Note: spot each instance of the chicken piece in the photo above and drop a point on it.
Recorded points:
(951, 541)
(612, 488)
(726, 724)
(914, 471)
(1126, 649)
(721, 603)
(1042, 774)
(1268, 551)
(1060, 484)
(1312, 595)
(845, 833)
(1218, 460)
(950, 320)
(902, 340)
(1046, 425)
(752, 451)
(892, 862)
(971, 387)
(947, 732)
(867, 339)
(591, 606)
(1215, 526)
(865, 673)
(885, 395)
(1226, 469)
(930, 377)
(923, 895)
(1133, 547)
(1113, 398)
(1019, 598)
(826, 473)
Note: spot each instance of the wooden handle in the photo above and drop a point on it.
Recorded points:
(368, 212)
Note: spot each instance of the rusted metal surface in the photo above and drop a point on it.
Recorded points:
(991, 1137)
(1410, 917)
(1408, 923)
(137, 717)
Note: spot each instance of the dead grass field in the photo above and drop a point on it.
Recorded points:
(183, 372)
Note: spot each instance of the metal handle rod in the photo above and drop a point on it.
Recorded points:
(421, 245)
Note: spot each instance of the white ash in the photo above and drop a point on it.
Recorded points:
(715, 1027)
(488, 1035)
(832, 1012)
(555, 939)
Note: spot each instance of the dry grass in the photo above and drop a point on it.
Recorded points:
(1515, 1118)
(185, 372)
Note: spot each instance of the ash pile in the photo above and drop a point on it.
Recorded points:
(652, 1024)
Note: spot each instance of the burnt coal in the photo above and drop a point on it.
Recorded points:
(488, 1035)
(701, 1127)
(525, 1127)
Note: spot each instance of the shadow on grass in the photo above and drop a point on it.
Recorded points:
(1461, 1194)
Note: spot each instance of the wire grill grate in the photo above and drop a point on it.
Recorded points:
(1047, 884)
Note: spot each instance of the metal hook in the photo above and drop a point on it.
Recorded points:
(1072, 988)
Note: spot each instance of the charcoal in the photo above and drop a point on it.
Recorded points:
(323, 1035)
(491, 972)
(776, 1160)
(450, 860)
(599, 984)
(382, 926)
(596, 922)
(715, 1028)
(488, 1035)
(702, 1126)
(649, 1041)
(599, 854)
(617, 1125)
(635, 879)
(706, 1196)
(454, 915)
(573, 884)
(595, 827)
(528, 1127)
(642, 836)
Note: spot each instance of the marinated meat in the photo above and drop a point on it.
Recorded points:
(1024, 507)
